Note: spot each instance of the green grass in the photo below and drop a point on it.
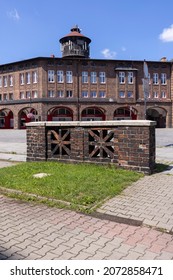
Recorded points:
(83, 185)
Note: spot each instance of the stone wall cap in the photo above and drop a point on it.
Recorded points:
(93, 123)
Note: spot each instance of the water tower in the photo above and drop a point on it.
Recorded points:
(75, 44)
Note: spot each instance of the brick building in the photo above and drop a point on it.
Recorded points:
(76, 87)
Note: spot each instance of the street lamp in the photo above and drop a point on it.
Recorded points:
(145, 81)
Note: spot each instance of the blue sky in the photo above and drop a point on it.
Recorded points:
(128, 29)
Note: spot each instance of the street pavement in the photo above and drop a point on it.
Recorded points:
(137, 224)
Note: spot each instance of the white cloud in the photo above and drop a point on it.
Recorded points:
(123, 49)
(107, 53)
(13, 14)
(167, 34)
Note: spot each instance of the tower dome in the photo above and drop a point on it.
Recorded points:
(75, 44)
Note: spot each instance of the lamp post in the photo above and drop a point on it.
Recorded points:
(145, 81)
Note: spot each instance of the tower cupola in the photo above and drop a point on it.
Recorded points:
(75, 44)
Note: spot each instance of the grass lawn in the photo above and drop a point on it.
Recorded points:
(83, 186)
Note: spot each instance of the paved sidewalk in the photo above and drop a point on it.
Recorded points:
(149, 200)
(29, 231)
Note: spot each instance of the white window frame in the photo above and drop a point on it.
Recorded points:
(155, 94)
(11, 80)
(35, 94)
(163, 79)
(34, 77)
(102, 77)
(93, 94)
(22, 78)
(60, 93)
(93, 77)
(163, 94)
(51, 93)
(130, 94)
(51, 76)
(121, 94)
(5, 81)
(22, 95)
(121, 77)
(60, 76)
(84, 77)
(11, 96)
(28, 95)
(69, 94)
(155, 78)
(5, 96)
(69, 77)
(130, 77)
(102, 94)
(85, 94)
(28, 78)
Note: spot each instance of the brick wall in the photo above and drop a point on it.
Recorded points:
(126, 144)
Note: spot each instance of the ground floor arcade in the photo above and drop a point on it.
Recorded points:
(17, 117)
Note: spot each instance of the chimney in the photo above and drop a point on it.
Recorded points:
(52, 55)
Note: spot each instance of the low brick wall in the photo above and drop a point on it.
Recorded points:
(127, 144)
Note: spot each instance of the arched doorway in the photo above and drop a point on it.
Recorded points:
(27, 115)
(92, 114)
(6, 119)
(158, 115)
(60, 114)
(125, 113)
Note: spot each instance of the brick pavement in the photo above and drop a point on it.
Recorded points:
(32, 231)
(149, 200)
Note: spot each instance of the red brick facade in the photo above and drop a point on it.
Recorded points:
(80, 88)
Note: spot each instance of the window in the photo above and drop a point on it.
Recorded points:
(60, 93)
(69, 77)
(122, 94)
(93, 94)
(102, 77)
(0, 81)
(93, 78)
(28, 94)
(155, 94)
(130, 94)
(69, 93)
(0, 97)
(22, 95)
(121, 77)
(51, 93)
(5, 81)
(5, 96)
(130, 77)
(10, 96)
(85, 94)
(60, 76)
(11, 80)
(22, 78)
(28, 78)
(163, 78)
(163, 94)
(34, 77)
(155, 78)
(102, 94)
(35, 94)
(84, 77)
(51, 76)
